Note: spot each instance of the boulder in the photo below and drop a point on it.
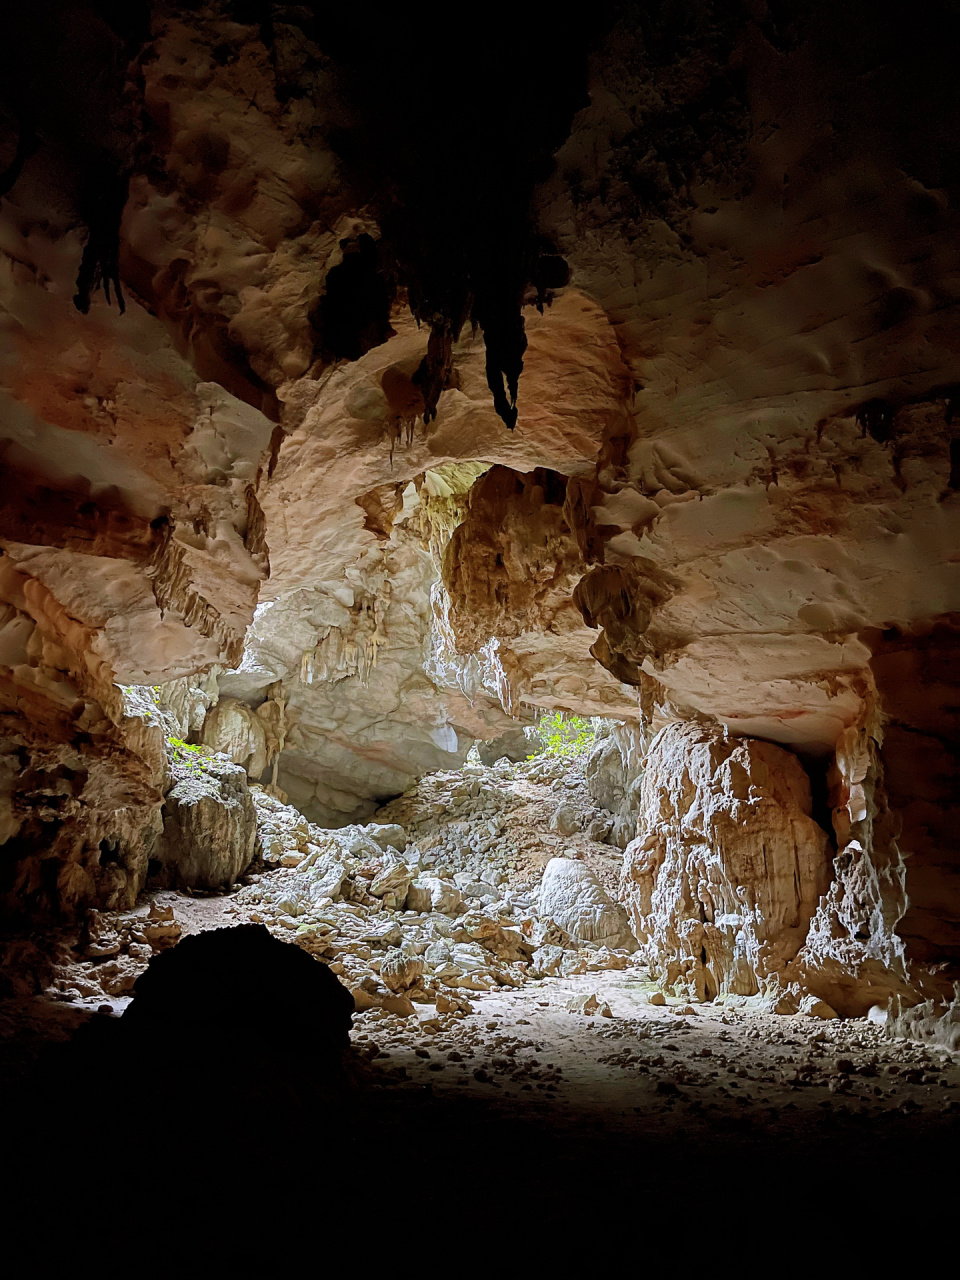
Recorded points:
(392, 882)
(387, 835)
(566, 819)
(813, 1007)
(209, 826)
(434, 894)
(241, 986)
(546, 961)
(282, 831)
(419, 898)
(324, 877)
(600, 828)
(573, 896)
(399, 971)
(589, 1004)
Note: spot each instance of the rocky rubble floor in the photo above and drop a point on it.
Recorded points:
(431, 916)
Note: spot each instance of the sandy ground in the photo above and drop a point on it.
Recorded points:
(527, 1046)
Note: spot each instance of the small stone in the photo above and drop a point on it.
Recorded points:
(657, 998)
(584, 1004)
(566, 819)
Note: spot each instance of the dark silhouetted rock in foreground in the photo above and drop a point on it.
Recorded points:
(242, 984)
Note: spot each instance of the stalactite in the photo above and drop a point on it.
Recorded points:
(338, 654)
(276, 692)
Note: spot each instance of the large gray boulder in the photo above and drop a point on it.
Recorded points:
(572, 895)
(605, 774)
(209, 823)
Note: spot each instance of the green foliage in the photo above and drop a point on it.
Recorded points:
(187, 755)
(565, 735)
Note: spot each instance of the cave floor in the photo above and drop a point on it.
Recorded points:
(527, 1097)
(523, 1114)
(527, 1111)
(527, 1051)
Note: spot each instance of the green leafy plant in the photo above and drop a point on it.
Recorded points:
(564, 735)
(187, 755)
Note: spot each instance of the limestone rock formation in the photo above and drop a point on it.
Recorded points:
(209, 826)
(694, 464)
(572, 896)
(232, 729)
(614, 773)
(364, 699)
(729, 866)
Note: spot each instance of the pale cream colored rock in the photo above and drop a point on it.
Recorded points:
(370, 994)
(812, 1007)
(117, 977)
(572, 964)
(604, 958)
(233, 729)
(392, 881)
(478, 927)
(399, 971)
(161, 933)
(566, 819)
(387, 835)
(853, 957)
(449, 1003)
(584, 1004)
(729, 867)
(571, 895)
(419, 897)
(210, 827)
(444, 895)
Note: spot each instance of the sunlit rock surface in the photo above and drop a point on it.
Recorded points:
(728, 865)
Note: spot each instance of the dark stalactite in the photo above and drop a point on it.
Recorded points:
(68, 76)
(451, 177)
(100, 264)
(353, 315)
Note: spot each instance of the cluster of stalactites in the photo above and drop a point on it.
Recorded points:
(338, 655)
(400, 430)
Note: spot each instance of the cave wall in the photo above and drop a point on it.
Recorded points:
(917, 676)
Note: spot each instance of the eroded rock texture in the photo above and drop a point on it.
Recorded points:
(209, 829)
(728, 866)
(693, 464)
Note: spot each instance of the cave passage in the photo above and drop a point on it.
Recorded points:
(479, 617)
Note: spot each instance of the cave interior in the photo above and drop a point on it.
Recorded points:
(480, 595)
